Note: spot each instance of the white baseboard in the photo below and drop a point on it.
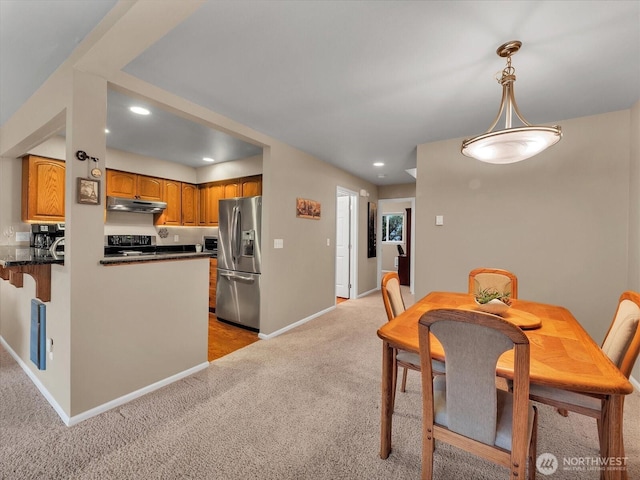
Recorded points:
(264, 336)
(133, 395)
(70, 421)
(369, 292)
(36, 381)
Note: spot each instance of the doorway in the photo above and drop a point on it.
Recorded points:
(346, 241)
(389, 255)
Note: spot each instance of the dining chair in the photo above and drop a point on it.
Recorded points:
(464, 408)
(621, 344)
(501, 280)
(394, 306)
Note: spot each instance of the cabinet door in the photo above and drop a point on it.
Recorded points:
(121, 184)
(43, 189)
(203, 203)
(251, 186)
(231, 189)
(216, 193)
(213, 272)
(172, 194)
(189, 204)
(149, 188)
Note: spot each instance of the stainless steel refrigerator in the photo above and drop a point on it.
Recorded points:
(239, 261)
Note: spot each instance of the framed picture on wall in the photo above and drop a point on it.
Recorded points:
(88, 191)
(371, 229)
(306, 208)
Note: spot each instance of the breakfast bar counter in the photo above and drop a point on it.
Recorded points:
(124, 259)
(15, 261)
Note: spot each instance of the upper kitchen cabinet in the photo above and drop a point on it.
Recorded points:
(121, 184)
(132, 185)
(43, 189)
(251, 186)
(150, 188)
(231, 188)
(172, 195)
(210, 194)
(189, 205)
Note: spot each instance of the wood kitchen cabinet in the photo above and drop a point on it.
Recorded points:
(132, 185)
(211, 193)
(43, 189)
(251, 186)
(172, 195)
(150, 188)
(121, 184)
(231, 188)
(189, 204)
(213, 272)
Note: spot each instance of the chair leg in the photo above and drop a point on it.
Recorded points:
(428, 446)
(403, 387)
(600, 433)
(533, 447)
(394, 381)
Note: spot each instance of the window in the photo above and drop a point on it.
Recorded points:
(393, 227)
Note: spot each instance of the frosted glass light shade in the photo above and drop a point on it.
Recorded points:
(511, 145)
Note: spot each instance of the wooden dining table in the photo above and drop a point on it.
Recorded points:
(563, 355)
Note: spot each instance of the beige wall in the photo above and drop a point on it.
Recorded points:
(238, 168)
(115, 329)
(404, 190)
(299, 279)
(559, 220)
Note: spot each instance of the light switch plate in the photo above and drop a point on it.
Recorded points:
(439, 219)
(278, 243)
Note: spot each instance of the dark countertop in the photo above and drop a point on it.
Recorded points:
(157, 257)
(15, 255)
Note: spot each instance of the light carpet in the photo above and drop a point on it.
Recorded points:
(304, 405)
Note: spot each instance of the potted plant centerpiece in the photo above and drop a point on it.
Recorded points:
(491, 300)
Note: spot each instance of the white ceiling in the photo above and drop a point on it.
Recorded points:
(351, 82)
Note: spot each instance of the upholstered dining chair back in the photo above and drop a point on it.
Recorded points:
(622, 342)
(465, 404)
(496, 278)
(392, 296)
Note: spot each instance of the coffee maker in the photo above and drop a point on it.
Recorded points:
(44, 235)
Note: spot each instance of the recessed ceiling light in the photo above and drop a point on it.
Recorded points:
(378, 164)
(140, 110)
(106, 130)
(208, 159)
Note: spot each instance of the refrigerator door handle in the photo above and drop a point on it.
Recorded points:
(238, 233)
(235, 276)
(234, 234)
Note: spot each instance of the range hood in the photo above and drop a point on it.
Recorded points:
(120, 204)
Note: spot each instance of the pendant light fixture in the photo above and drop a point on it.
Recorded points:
(512, 144)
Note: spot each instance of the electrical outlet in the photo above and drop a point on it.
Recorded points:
(176, 238)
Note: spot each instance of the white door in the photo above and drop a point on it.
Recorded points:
(343, 246)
